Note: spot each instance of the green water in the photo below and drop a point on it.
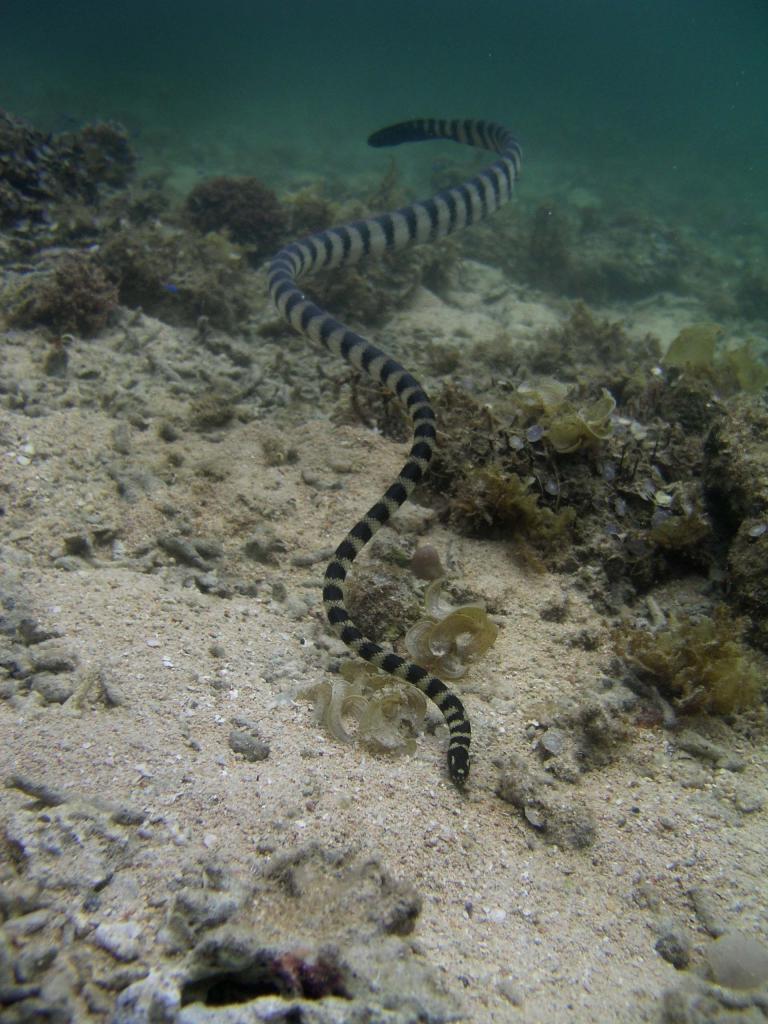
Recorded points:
(665, 97)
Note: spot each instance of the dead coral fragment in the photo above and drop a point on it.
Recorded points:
(450, 638)
(702, 664)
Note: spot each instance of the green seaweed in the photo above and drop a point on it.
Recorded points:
(694, 347)
(697, 350)
(567, 426)
(701, 664)
(749, 371)
(498, 502)
(76, 297)
(585, 426)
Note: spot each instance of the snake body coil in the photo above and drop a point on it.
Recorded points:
(423, 221)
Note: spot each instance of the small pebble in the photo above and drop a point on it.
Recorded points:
(426, 564)
(553, 742)
(251, 747)
(512, 992)
(706, 911)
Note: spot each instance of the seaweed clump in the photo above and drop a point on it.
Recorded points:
(697, 351)
(76, 297)
(244, 207)
(736, 488)
(105, 154)
(702, 665)
(38, 170)
(178, 276)
(495, 501)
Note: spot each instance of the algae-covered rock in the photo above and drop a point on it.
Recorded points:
(736, 488)
(738, 960)
(496, 502)
(76, 297)
(559, 820)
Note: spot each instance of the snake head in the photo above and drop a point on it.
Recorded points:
(458, 765)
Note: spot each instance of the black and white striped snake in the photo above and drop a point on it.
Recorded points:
(423, 221)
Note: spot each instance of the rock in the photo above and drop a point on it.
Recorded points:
(251, 747)
(154, 1000)
(553, 741)
(31, 632)
(559, 821)
(54, 689)
(34, 960)
(264, 546)
(53, 656)
(673, 945)
(122, 939)
(706, 750)
(748, 798)
(696, 1001)
(182, 550)
(511, 992)
(706, 912)
(737, 960)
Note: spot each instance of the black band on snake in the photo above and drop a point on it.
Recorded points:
(423, 221)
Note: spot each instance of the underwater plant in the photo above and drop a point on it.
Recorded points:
(490, 500)
(702, 664)
(698, 350)
(565, 425)
(694, 347)
(76, 298)
(244, 207)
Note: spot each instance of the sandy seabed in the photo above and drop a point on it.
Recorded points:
(135, 829)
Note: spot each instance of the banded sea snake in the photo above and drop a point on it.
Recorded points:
(422, 221)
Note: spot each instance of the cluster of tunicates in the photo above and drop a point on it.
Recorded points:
(388, 714)
(385, 713)
(450, 637)
(564, 424)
